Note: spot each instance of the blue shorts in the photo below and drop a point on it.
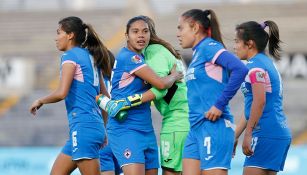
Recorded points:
(211, 143)
(85, 141)
(268, 154)
(108, 161)
(131, 146)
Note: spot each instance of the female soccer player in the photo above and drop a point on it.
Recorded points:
(267, 137)
(83, 58)
(171, 103)
(133, 141)
(213, 77)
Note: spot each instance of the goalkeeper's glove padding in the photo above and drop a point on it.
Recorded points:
(112, 107)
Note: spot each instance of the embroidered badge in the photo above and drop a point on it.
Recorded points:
(260, 77)
(127, 153)
(136, 59)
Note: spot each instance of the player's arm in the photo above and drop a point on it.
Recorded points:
(160, 60)
(239, 130)
(238, 72)
(240, 127)
(67, 75)
(257, 79)
(147, 74)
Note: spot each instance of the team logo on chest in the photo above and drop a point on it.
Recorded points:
(127, 153)
(136, 59)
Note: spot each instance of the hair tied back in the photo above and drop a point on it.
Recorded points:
(263, 25)
(206, 12)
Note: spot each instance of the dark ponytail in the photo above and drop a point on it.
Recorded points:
(211, 25)
(215, 27)
(86, 37)
(97, 50)
(274, 41)
(254, 31)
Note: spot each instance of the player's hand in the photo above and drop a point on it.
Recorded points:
(213, 114)
(112, 107)
(35, 106)
(246, 146)
(177, 74)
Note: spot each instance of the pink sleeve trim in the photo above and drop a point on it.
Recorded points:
(136, 69)
(218, 53)
(257, 75)
(69, 61)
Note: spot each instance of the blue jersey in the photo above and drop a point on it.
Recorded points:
(206, 80)
(80, 100)
(125, 83)
(272, 123)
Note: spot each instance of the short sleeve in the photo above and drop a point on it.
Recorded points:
(134, 63)
(68, 57)
(256, 75)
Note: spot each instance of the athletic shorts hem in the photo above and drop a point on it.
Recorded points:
(88, 158)
(195, 158)
(213, 168)
(130, 164)
(260, 167)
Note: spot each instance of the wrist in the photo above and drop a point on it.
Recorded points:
(248, 130)
(40, 101)
(102, 101)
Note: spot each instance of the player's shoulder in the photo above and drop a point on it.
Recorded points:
(210, 43)
(258, 61)
(124, 53)
(210, 47)
(70, 55)
(127, 56)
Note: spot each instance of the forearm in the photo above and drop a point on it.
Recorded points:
(54, 97)
(237, 71)
(240, 127)
(168, 81)
(255, 114)
(148, 96)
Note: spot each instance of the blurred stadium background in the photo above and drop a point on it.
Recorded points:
(29, 64)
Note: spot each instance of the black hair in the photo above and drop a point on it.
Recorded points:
(132, 20)
(254, 31)
(86, 37)
(209, 24)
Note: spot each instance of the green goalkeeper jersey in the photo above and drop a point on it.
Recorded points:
(175, 113)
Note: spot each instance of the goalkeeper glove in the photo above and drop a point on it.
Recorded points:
(112, 107)
(132, 100)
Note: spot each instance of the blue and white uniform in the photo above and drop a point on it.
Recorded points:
(213, 77)
(84, 116)
(132, 141)
(271, 137)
